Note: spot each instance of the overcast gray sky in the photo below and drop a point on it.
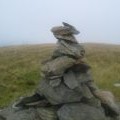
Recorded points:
(30, 21)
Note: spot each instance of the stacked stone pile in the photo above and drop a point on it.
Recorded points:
(67, 90)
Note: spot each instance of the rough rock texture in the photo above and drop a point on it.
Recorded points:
(28, 114)
(75, 111)
(67, 85)
(80, 111)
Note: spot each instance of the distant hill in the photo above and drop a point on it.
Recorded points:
(20, 68)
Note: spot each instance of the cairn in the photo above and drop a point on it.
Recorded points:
(67, 89)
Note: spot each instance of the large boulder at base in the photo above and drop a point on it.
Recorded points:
(76, 111)
(79, 111)
(29, 114)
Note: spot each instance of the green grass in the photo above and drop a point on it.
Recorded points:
(20, 68)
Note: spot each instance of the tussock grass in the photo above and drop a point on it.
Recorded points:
(20, 68)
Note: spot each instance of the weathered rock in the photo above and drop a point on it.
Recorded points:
(11, 114)
(67, 86)
(29, 114)
(79, 111)
(73, 111)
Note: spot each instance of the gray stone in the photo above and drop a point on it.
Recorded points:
(70, 80)
(58, 95)
(65, 32)
(56, 67)
(72, 88)
(67, 87)
(73, 111)
(78, 111)
(69, 49)
(29, 114)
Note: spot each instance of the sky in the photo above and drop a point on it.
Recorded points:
(30, 21)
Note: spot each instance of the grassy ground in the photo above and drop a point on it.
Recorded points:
(20, 68)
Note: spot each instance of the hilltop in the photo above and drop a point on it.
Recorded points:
(20, 68)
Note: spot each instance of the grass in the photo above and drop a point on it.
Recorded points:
(20, 68)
